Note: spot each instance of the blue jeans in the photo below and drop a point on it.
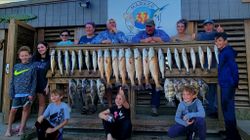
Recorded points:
(199, 127)
(228, 109)
(155, 98)
(212, 99)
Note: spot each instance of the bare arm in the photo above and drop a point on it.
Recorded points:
(61, 125)
(40, 119)
(125, 103)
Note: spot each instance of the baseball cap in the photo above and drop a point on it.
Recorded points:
(208, 21)
(150, 22)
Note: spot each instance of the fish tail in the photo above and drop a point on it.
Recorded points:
(125, 86)
(148, 86)
(140, 87)
(117, 84)
(170, 104)
(158, 88)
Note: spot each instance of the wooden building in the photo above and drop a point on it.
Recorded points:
(55, 15)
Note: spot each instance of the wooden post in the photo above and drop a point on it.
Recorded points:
(40, 35)
(247, 37)
(220, 113)
(132, 102)
(2, 36)
(10, 58)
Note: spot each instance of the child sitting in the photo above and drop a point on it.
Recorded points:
(116, 120)
(189, 117)
(50, 124)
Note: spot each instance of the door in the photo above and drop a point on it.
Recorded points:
(19, 34)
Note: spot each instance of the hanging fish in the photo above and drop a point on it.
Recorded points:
(138, 68)
(203, 90)
(195, 84)
(216, 53)
(177, 59)
(193, 58)
(178, 89)
(169, 92)
(169, 59)
(87, 59)
(130, 66)
(94, 60)
(161, 62)
(209, 58)
(59, 60)
(115, 67)
(201, 57)
(72, 92)
(66, 62)
(80, 60)
(101, 63)
(85, 95)
(73, 61)
(107, 67)
(100, 90)
(122, 67)
(185, 59)
(93, 91)
(154, 68)
(53, 61)
(146, 71)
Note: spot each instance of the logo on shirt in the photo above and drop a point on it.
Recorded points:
(16, 73)
(139, 12)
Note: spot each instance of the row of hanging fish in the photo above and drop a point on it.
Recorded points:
(126, 63)
(173, 89)
(83, 90)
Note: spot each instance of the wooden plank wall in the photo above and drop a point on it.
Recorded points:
(214, 9)
(237, 39)
(60, 13)
(2, 36)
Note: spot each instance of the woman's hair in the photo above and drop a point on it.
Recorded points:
(57, 92)
(37, 55)
(24, 48)
(183, 21)
(190, 89)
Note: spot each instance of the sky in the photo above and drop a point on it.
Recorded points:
(8, 1)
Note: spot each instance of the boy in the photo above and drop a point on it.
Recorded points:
(55, 117)
(228, 78)
(22, 89)
(64, 35)
(189, 117)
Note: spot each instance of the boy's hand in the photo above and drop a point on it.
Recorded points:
(30, 98)
(189, 122)
(40, 119)
(50, 130)
(46, 90)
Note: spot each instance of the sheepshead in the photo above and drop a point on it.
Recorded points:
(146, 71)
(72, 91)
(169, 91)
(122, 67)
(161, 62)
(209, 58)
(178, 89)
(59, 60)
(73, 61)
(216, 53)
(193, 58)
(195, 84)
(53, 61)
(100, 90)
(80, 60)
(203, 90)
(177, 59)
(107, 67)
(154, 68)
(94, 60)
(85, 94)
(138, 68)
(93, 90)
(169, 59)
(201, 57)
(130, 66)
(101, 63)
(66, 62)
(115, 66)
(87, 59)
(185, 59)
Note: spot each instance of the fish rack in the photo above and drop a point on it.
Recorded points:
(207, 76)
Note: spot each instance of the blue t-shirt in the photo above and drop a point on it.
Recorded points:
(86, 40)
(115, 38)
(206, 36)
(157, 33)
(64, 43)
(56, 114)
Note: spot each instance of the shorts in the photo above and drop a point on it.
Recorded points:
(18, 102)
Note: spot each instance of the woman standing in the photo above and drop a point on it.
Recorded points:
(42, 60)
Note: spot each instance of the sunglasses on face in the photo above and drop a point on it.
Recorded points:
(64, 35)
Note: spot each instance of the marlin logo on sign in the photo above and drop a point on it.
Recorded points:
(140, 11)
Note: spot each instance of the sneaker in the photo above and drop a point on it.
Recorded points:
(154, 112)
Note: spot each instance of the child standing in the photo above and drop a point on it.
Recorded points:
(42, 60)
(22, 89)
(189, 117)
(116, 120)
(228, 78)
(54, 118)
